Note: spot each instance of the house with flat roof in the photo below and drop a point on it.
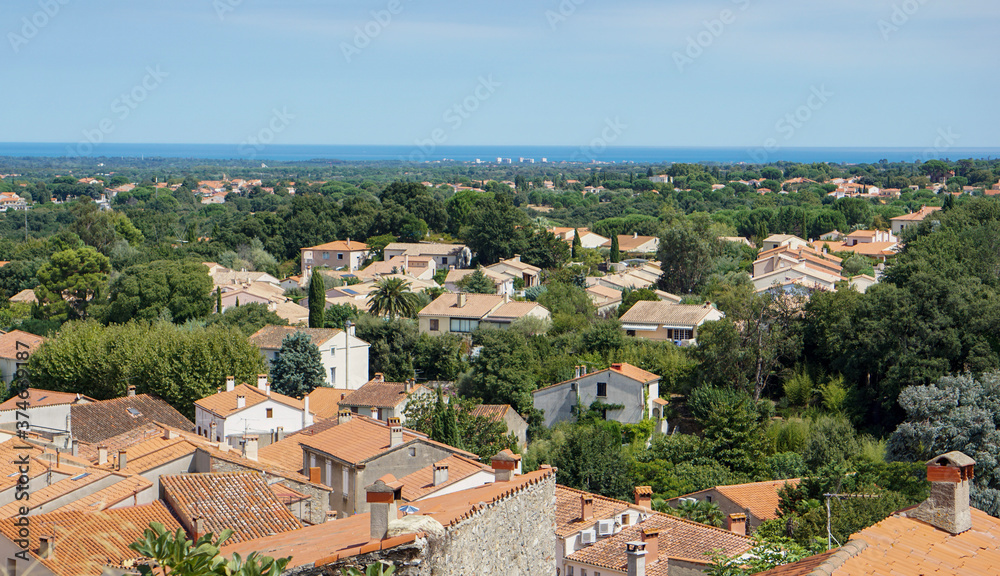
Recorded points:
(632, 394)
(664, 320)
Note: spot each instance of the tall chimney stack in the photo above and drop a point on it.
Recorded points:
(440, 474)
(651, 537)
(102, 455)
(381, 498)
(262, 382)
(230, 383)
(947, 506)
(307, 419)
(395, 432)
(644, 496)
(250, 446)
(737, 523)
(344, 416)
(461, 299)
(586, 507)
(131, 390)
(241, 401)
(122, 459)
(636, 552)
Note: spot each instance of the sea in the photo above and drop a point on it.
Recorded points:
(488, 154)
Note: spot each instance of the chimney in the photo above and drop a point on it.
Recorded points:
(75, 447)
(250, 447)
(213, 435)
(461, 299)
(586, 507)
(408, 385)
(506, 297)
(651, 537)
(440, 474)
(279, 434)
(131, 390)
(636, 552)
(102, 455)
(262, 383)
(379, 377)
(122, 459)
(576, 371)
(230, 383)
(643, 496)
(307, 419)
(947, 506)
(241, 401)
(505, 465)
(344, 416)
(199, 526)
(635, 235)
(47, 547)
(350, 328)
(381, 498)
(395, 432)
(737, 524)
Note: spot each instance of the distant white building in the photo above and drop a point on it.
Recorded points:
(228, 415)
(344, 356)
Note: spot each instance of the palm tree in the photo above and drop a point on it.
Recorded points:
(392, 297)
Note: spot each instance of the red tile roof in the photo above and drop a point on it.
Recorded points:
(37, 398)
(624, 368)
(347, 246)
(377, 394)
(86, 543)
(101, 420)
(421, 483)
(271, 337)
(325, 402)
(760, 498)
(113, 495)
(241, 501)
(224, 403)
(9, 343)
(287, 453)
(569, 508)
(363, 439)
(328, 542)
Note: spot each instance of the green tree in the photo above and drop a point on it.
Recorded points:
(392, 298)
(70, 280)
(338, 315)
(702, 511)
(248, 318)
(630, 297)
(377, 569)
(145, 290)
(592, 459)
(317, 300)
(444, 426)
(477, 434)
(616, 255)
(392, 343)
(686, 259)
(503, 372)
(577, 244)
(439, 357)
(477, 283)
(493, 232)
(297, 368)
(173, 554)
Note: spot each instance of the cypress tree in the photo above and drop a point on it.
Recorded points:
(576, 243)
(317, 301)
(218, 300)
(616, 255)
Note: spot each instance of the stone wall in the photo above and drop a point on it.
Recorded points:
(513, 537)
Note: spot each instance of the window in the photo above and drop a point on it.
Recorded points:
(199, 431)
(583, 572)
(326, 255)
(344, 482)
(435, 325)
(413, 451)
(680, 333)
(340, 255)
(464, 325)
(602, 389)
(444, 260)
(569, 571)
(333, 375)
(270, 412)
(630, 332)
(708, 499)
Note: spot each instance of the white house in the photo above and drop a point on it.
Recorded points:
(344, 356)
(12, 344)
(251, 410)
(339, 255)
(631, 394)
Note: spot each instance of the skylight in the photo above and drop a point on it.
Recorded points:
(79, 476)
(135, 413)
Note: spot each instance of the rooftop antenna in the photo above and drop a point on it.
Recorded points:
(829, 532)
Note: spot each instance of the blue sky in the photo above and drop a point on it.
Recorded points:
(667, 73)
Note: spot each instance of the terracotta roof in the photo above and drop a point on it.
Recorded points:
(363, 439)
(646, 312)
(26, 295)
(225, 403)
(80, 479)
(761, 498)
(917, 216)
(628, 242)
(379, 394)
(495, 412)
(325, 543)
(325, 402)
(568, 509)
(804, 567)
(902, 546)
(270, 337)
(287, 453)
(88, 542)
(101, 420)
(514, 310)
(624, 368)
(38, 397)
(9, 343)
(432, 249)
(607, 293)
(421, 483)
(346, 246)
(111, 496)
(476, 306)
(241, 501)
(287, 495)
(89, 451)
(678, 538)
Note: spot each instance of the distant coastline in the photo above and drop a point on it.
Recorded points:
(584, 154)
